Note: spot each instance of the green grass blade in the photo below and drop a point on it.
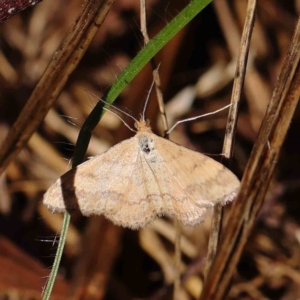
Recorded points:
(59, 252)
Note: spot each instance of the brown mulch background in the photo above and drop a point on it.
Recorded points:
(102, 261)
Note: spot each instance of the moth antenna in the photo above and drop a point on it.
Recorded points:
(197, 117)
(73, 124)
(68, 117)
(147, 100)
(112, 112)
(114, 107)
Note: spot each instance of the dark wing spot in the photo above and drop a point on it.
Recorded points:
(146, 148)
(145, 145)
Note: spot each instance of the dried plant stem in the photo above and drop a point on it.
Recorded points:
(214, 237)
(228, 145)
(239, 79)
(144, 21)
(258, 174)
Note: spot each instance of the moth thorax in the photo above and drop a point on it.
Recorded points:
(143, 125)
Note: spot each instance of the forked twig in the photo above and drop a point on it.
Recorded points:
(228, 145)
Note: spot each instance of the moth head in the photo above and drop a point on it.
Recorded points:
(143, 126)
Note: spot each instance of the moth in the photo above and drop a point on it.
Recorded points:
(141, 178)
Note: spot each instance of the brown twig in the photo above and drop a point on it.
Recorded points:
(64, 61)
(257, 174)
(228, 145)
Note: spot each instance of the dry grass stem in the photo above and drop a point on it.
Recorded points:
(228, 146)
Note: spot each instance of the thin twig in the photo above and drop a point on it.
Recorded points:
(228, 145)
(144, 21)
(214, 237)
